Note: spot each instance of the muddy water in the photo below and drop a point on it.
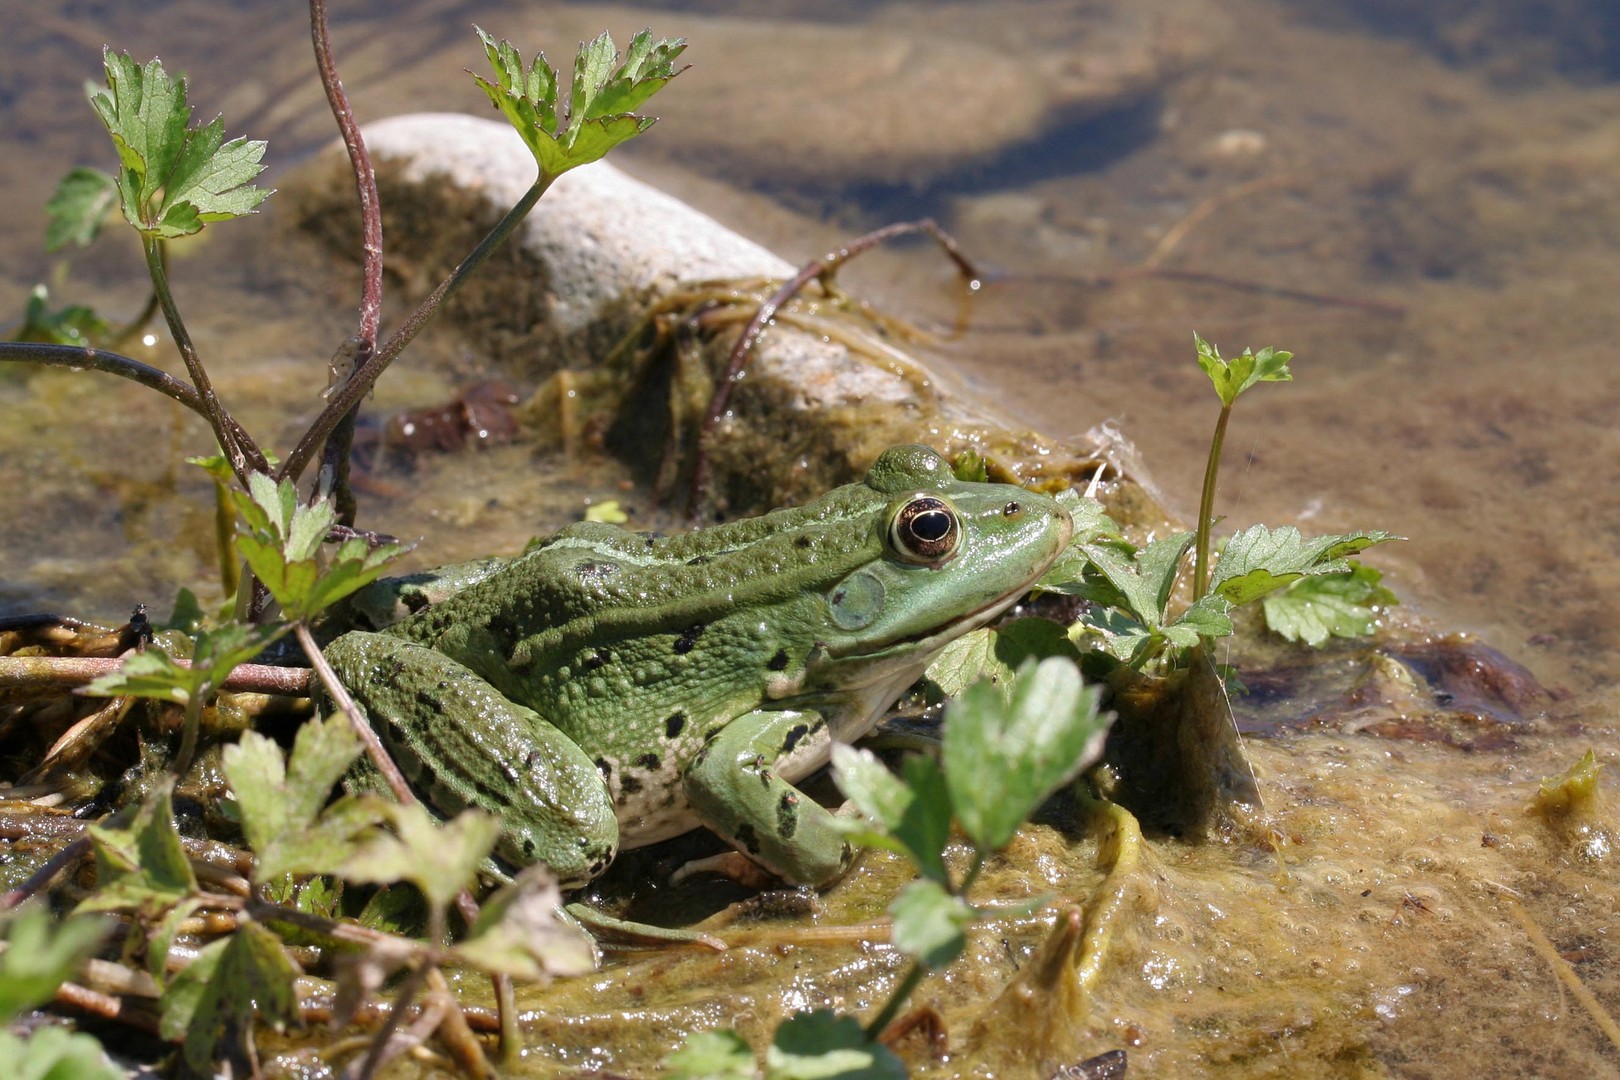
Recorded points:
(1438, 243)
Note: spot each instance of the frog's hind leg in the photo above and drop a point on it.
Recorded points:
(734, 787)
(461, 743)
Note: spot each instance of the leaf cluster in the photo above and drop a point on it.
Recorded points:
(603, 95)
(173, 178)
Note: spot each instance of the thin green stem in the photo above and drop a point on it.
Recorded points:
(1206, 507)
(891, 1008)
(239, 449)
(355, 389)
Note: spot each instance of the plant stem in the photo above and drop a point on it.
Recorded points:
(335, 455)
(239, 449)
(891, 1008)
(1206, 507)
(78, 356)
(340, 696)
(352, 392)
(908, 985)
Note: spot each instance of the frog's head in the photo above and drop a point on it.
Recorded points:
(954, 555)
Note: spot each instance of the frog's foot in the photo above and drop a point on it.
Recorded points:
(729, 864)
(734, 787)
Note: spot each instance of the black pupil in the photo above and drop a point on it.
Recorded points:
(931, 526)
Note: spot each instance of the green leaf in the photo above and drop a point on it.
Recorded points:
(55, 1053)
(930, 923)
(174, 179)
(215, 654)
(520, 932)
(970, 467)
(143, 867)
(821, 1045)
(78, 208)
(602, 95)
(1138, 585)
(75, 324)
(910, 816)
(282, 544)
(1003, 758)
(1092, 526)
(231, 983)
(996, 653)
(1206, 618)
(441, 860)
(40, 955)
(281, 805)
(1232, 377)
(1259, 560)
(608, 510)
(711, 1055)
(1315, 608)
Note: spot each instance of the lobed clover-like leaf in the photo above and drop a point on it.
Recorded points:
(995, 653)
(1232, 377)
(911, 816)
(521, 932)
(78, 207)
(142, 867)
(282, 545)
(439, 859)
(247, 976)
(40, 954)
(602, 95)
(1316, 608)
(215, 654)
(174, 179)
(1004, 757)
(1259, 560)
(822, 1045)
(930, 923)
(283, 805)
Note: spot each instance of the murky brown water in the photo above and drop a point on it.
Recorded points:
(1450, 237)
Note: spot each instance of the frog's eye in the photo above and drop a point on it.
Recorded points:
(926, 530)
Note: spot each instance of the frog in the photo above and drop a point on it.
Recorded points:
(610, 689)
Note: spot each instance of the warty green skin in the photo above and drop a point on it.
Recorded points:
(611, 689)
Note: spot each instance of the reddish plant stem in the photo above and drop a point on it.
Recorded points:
(335, 455)
(823, 270)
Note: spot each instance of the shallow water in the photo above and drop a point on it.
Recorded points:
(1438, 242)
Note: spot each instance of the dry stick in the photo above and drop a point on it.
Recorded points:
(357, 719)
(21, 672)
(105, 1006)
(335, 456)
(822, 269)
(65, 859)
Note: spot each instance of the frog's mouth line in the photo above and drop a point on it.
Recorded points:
(926, 643)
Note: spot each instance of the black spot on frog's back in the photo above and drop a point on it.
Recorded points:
(674, 724)
(779, 662)
(688, 639)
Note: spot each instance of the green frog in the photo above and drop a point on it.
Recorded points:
(611, 689)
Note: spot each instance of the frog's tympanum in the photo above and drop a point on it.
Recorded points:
(611, 688)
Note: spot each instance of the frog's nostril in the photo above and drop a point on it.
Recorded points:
(1012, 509)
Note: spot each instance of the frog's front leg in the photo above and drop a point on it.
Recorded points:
(461, 743)
(733, 786)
